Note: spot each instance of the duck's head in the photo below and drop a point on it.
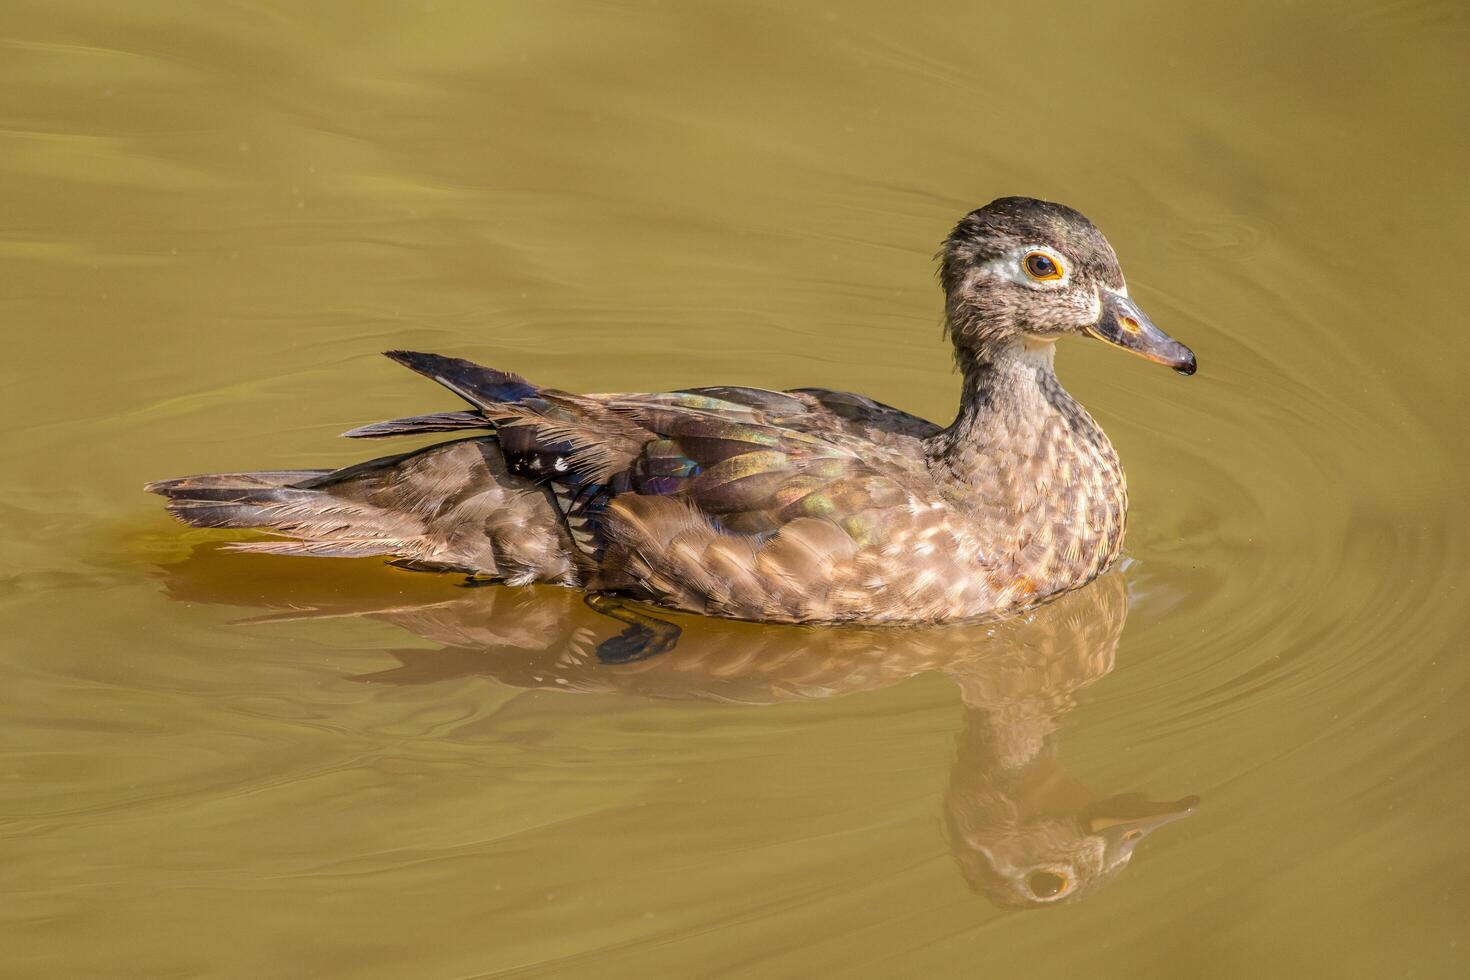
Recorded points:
(1023, 272)
(1024, 860)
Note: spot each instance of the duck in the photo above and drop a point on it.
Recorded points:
(803, 506)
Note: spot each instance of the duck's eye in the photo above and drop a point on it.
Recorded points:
(1042, 267)
(1047, 884)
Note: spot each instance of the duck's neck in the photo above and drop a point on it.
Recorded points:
(1039, 476)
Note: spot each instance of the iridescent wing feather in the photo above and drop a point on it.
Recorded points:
(708, 498)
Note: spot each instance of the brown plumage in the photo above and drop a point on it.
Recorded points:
(800, 506)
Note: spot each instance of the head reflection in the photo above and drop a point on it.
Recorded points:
(1023, 832)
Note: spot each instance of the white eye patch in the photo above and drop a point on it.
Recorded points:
(1011, 266)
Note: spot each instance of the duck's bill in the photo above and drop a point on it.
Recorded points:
(1124, 325)
(1123, 821)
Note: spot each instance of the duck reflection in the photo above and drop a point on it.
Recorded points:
(1024, 833)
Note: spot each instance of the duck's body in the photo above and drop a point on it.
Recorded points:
(801, 506)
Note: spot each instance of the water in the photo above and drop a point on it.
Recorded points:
(231, 766)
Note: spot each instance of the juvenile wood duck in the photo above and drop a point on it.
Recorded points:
(800, 506)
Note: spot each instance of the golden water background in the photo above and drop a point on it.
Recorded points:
(214, 216)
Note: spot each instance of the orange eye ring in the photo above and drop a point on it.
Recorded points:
(1049, 884)
(1041, 267)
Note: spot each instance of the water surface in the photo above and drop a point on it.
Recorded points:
(214, 217)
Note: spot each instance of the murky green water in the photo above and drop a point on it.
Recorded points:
(214, 216)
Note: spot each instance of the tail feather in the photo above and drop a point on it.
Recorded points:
(314, 516)
(234, 500)
(480, 386)
(478, 504)
(278, 501)
(537, 425)
(453, 506)
(413, 425)
(311, 549)
(262, 478)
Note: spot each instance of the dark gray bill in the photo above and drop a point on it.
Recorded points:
(1124, 325)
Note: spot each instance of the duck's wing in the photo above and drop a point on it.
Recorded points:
(542, 431)
(864, 416)
(736, 501)
(753, 469)
(750, 458)
(757, 511)
(823, 411)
